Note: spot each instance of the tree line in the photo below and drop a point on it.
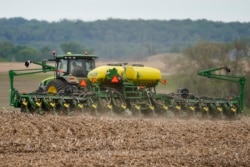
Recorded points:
(116, 38)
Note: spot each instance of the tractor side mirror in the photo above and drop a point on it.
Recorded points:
(27, 63)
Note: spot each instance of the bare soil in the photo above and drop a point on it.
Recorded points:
(83, 140)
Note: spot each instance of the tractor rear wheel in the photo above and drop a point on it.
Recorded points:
(55, 86)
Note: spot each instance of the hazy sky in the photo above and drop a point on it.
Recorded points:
(90, 10)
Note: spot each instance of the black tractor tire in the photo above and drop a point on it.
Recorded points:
(56, 86)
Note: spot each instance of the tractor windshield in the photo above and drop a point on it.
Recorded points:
(81, 67)
(76, 67)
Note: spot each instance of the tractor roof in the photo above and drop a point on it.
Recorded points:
(69, 55)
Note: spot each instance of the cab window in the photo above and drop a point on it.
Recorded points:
(62, 68)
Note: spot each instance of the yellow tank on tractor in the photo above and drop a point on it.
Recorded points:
(118, 89)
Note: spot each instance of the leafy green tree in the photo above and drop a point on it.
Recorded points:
(240, 53)
(45, 52)
(205, 55)
(6, 50)
(28, 54)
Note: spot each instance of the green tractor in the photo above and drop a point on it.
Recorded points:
(68, 87)
(71, 72)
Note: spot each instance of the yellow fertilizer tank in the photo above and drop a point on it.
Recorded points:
(99, 74)
(148, 76)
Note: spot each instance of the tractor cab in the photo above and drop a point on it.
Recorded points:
(70, 69)
(77, 65)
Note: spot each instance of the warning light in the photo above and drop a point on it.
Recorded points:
(115, 79)
(54, 53)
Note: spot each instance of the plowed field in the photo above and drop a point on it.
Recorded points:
(83, 140)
